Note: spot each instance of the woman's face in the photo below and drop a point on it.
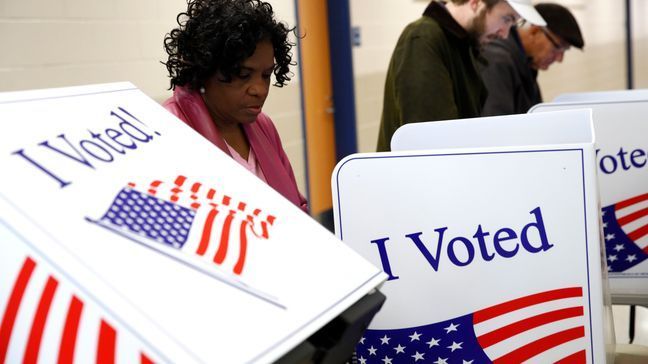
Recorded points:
(240, 100)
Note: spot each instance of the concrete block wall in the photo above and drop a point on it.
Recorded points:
(58, 43)
(73, 42)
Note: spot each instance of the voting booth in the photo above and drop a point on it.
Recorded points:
(613, 95)
(126, 236)
(489, 232)
(621, 159)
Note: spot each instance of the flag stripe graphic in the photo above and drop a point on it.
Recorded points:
(633, 216)
(194, 198)
(45, 320)
(106, 344)
(68, 340)
(238, 268)
(577, 357)
(513, 329)
(180, 180)
(631, 201)
(40, 318)
(11, 311)
(206, 233)
(516, 304)
(639, 233)
(145, 359)
(530, 350)
(219, 257)
(152, 190)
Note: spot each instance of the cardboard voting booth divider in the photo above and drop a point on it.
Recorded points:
(125, 235)
(621, 148)
(614, 95)
(492, 247)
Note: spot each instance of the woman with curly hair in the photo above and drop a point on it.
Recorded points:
(221, 58)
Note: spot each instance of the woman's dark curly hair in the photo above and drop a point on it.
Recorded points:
(218, 35)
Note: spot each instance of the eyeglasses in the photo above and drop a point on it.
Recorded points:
(557, 46)
(510, 20)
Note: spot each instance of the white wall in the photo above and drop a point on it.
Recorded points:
(56, 43)
(73, 42)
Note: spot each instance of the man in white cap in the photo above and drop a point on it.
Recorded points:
(432, 74)
(513, 63)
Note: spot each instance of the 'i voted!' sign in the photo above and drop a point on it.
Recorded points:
(493, 254)
(125, 236)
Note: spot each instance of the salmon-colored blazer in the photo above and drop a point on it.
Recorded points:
(262, 135)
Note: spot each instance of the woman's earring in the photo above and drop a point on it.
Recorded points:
(202, 90)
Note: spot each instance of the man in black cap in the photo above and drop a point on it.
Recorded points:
(513, 63)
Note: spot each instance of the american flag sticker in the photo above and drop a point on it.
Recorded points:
(44, 317)
(625, 230)
(545, 327)
(200, 226)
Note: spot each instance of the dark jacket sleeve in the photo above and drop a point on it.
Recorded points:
(499, 78)
(422, 83)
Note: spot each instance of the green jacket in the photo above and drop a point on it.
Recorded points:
(432, 75)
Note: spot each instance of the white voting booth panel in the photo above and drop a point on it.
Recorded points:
(496, 131)
(124, 234)
(614, 95)
(492, 251)
(621, 128)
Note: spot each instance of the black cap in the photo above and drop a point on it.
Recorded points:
(561, 22)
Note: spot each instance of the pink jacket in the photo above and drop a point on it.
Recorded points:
(262, 135)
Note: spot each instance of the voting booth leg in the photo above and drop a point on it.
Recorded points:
(336, 341)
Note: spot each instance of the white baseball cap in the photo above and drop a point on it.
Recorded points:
(526, 10)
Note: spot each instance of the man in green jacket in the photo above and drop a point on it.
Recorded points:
(432, 74)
